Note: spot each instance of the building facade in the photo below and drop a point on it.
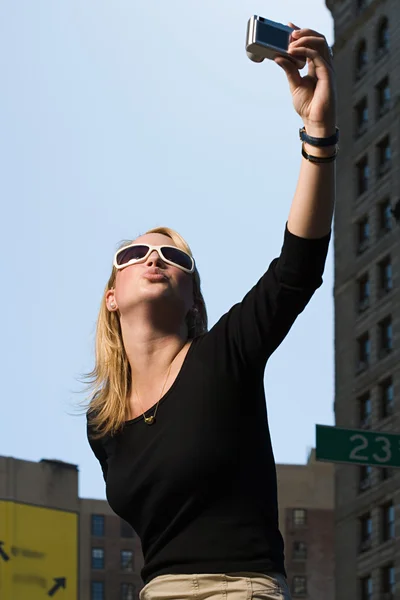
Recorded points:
(51, 539)
(306, 513)
(110, 554)
(367, 291)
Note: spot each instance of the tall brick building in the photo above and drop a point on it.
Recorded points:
(367, 290)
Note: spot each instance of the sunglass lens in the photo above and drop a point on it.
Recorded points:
(132, 253)
(178, 257)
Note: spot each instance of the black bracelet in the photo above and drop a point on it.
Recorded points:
(319, 142)
(319, 159)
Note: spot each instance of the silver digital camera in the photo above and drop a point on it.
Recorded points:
(268, 39)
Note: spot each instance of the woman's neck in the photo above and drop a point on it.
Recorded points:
(151, 350)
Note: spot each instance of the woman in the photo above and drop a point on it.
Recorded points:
(178, 418)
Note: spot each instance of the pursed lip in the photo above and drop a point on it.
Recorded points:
(155, 274)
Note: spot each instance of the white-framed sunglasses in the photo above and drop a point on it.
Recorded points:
(135, 253)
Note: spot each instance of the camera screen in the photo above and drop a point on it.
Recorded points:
(267, 34)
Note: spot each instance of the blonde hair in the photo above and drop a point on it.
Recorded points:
(110, 379)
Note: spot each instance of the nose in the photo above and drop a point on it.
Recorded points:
(154, 260)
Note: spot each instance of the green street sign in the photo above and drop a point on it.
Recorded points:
(357, 446)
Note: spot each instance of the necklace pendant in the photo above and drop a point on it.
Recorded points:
(149, 420)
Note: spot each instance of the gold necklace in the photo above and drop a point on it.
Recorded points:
(150, 420)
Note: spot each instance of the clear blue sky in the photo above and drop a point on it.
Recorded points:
(116, 117)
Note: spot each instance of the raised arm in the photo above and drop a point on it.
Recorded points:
(314, 99)
(255, 327)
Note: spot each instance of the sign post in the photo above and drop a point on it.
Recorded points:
(355, 446)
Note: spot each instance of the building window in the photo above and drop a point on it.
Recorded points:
(385, 216)
(383, 97)
(388, 582)
(365, 410)
(299, 517)
(396, 211)
(363, 293)
(97, 558)
(362, 234)
(384, 153)
(386, 473)
(365, 480)
(366, 588)
(97, 590)
(363, 176)
(299, 550)
(361, 117)
(363, 352)
(388, 524)
(365, 532)
(385, 276)
(126, 530)
(127, 591)
(385, 337)
(361, 5)
(361, 59)
(299, 585)
(382, 38)
(126, 560)
(386, 397)
(98, 525)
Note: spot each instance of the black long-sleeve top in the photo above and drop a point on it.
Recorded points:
(199, 486)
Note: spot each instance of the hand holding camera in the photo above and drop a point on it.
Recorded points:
(314, 95)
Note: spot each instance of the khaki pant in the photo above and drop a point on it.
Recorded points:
(236, 586)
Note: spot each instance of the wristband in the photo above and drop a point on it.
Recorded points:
(319, 159)
(319, 142)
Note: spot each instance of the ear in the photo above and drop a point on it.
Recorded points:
(110, 301)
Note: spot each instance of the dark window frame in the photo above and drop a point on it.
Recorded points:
(363, 175)
(299, 517)
(127, 590)
(363, 234)
(361, 5)
(388, 581)
(386, 405)
(365, 416)
(361, 120)
(385, 327)
(363, 352)
(385, 216)
(385, 276)
(388, 525)
(93, 593)
(363, 292)
(382, 37)
(365, 522)
(386, 473)
(128, 552)
(384, 155)
(383, 97)
(97, 523)
(361, 59)
(366, 587)
(299, 550)
(299, 585)
(100, 558)
(365, 478)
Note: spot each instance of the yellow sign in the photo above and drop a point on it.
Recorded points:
(38, 553)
